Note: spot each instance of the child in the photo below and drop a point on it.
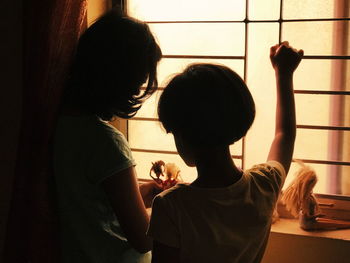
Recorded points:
(102, 209)
(225, 214)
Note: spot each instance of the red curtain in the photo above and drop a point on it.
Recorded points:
(51, 30)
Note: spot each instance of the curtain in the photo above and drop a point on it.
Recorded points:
(51, 30)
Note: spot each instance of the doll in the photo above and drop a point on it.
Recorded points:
(300, 201)
(169, 171)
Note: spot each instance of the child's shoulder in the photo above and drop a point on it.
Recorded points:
(92, 126)
(104, 128)
(267, 168)
(267, 174)
(174, 191)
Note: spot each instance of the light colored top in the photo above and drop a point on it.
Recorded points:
(230, 224)
(87, 150)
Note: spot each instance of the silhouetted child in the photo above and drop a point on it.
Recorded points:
(102, 209)
(225, 214)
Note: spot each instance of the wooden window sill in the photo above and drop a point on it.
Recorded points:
(291, 227)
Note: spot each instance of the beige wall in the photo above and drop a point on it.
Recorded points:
(287, 248)
(96, 8)
(10, 100)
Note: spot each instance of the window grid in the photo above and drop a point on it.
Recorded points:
(281, 22)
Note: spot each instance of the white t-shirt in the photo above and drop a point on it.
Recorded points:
(230, 224)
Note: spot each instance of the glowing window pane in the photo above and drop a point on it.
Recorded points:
(310, 9)
(149, 135)
(319, 109)
(317, 114)
(264, 10)
(144, 163)
(315, 37)
(169, 67)
(313, 144)
(317, 75)
(184, 10)
(322, 172)
(226, 39)
(261, 81)
(236, 148)
(149, 107)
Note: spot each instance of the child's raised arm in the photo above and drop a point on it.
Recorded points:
(284, 60)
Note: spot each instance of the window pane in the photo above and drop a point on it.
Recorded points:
(236, 148)
(184, 10)
(317, 38)
(313, 9)
(149, 135)
(225, 39)
(315, 109)
(321, 74)
(261, 82)
(170, 66)
(144, 163)
(149, 107)
(264, 10)
(317, 145)
(324, 178)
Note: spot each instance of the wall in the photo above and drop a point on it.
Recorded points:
(96, 8)
(10, 101)
(289, 248)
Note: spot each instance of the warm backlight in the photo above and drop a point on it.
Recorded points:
(217, 32)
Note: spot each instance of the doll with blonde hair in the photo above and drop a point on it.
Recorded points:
(300, 201)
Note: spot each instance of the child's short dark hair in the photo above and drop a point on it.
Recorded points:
(210, 105)
(114, 57)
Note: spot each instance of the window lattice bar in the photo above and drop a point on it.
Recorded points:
(318, 127)
(248, 21)
(324, 162)
(203, 57)
(322, 92)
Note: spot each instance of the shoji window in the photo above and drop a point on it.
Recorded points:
(239, 33)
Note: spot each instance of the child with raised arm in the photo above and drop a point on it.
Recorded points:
(225, 214)
(102, 209)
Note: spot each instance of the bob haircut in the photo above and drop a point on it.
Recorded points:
(209, 105)
(114, 57)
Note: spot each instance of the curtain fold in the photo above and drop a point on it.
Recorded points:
(51, 31)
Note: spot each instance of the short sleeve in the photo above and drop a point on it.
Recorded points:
(111, 155)
(271, 173)
(162, 226)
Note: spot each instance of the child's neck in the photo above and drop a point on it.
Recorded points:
(216, 169)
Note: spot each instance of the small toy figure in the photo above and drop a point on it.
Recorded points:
(300, 201)
(171, 171)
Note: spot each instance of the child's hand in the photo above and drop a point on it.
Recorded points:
(284, 58)
(149, 191)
